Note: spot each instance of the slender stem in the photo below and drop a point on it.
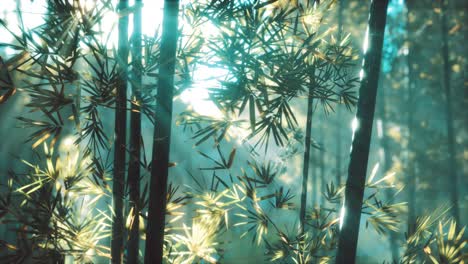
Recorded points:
(162, 135)
(322, 163)
(135, 137)
(305, 168)
(340, 18)
(448, 109)
(411, 176)
(120, 140)
(338, 110)
(354, 192)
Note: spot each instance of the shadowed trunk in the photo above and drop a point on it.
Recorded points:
(120, 140)
(162, 135)
(449, 115)
(306, 161)
(410, 175)
(135, 138)
(355, 184)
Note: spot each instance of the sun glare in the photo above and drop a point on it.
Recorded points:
(198, 96)
(354, 124)
(31, 17)
(354, 127)
(366, 41)
(342, 215)
(67, 143)
(379, 128)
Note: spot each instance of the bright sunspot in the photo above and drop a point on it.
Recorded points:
(198, 96)
(342, 215)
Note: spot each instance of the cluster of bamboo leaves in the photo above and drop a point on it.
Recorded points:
(273, 54)
(436, 239)
(66, 78)
(54, 208)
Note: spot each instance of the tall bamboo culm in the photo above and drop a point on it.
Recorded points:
(162, 135)
(355, 183)
(120, 139)
(133, 182)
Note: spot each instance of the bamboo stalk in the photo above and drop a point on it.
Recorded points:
(120, 140)
(411, 176)
(162, 135)
(448, 110)
(135, 138)
(306, 161)
(355, 184)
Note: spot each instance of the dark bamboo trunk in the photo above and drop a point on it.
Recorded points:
(305, 167)
(355, 184)
(135, 138)
(453, 183)
(120, 140)
(162, 135)
(410, 175)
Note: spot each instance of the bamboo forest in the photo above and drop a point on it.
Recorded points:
(233, 131)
